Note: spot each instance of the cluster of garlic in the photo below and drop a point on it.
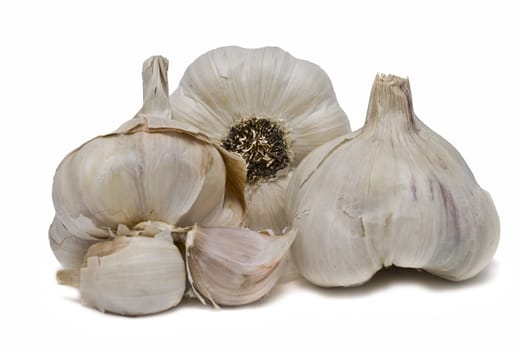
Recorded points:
(148, 209)
(206, 192)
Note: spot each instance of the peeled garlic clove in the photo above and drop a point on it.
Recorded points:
(130, 275)
(68, 249)
(233, 266)
(392, 193)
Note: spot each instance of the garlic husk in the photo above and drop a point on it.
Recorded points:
(231, 86)
(68, 249)
(391, 193)
(233, 266)
(131, 275)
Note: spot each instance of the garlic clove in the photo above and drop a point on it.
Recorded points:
(392, 193)
(68, 249)
(233, 266)
(130, 275)
(123, 180)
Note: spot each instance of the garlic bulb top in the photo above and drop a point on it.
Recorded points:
(267, 106)
(391, 193)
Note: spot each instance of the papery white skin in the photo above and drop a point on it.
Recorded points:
(391, 193)
(229, 84)
(133, 275)
(229, 266)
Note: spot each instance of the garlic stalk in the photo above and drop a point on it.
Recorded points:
(267, 106)
(391, 193)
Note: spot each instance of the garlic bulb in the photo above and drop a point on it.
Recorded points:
(125, 204)
(391, 193)
(149, 170)
(231, 266)
(267, 106)
(131, 275)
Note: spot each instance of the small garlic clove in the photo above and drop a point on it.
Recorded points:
(68, 249)
(130, 275)
(233, 266)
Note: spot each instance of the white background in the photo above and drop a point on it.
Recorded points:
(71, 71)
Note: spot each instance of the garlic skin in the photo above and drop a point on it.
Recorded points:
(266, 105)
(131, 275)
(391, 193)
(233, 266)
(68, 249)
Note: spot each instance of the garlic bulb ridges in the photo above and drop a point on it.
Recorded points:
(391, 193)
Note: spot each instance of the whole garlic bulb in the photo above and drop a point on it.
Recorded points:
(391, 193)
(267, 106)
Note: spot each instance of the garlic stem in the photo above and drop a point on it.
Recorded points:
(390, 103)
(69, 277)
(156, 88)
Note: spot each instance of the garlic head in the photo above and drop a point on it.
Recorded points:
(268, 107)
(391, 193)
